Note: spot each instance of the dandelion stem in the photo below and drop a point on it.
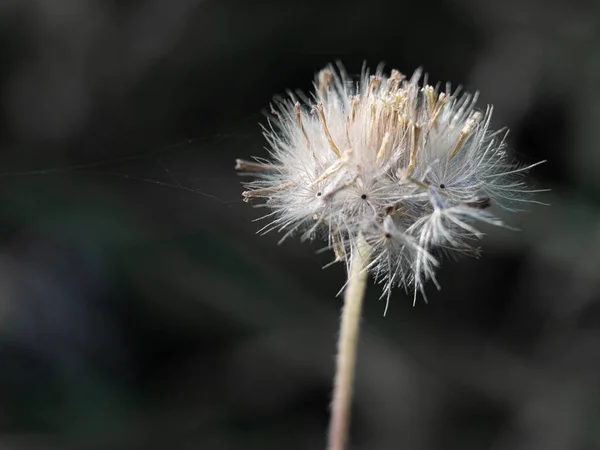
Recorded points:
(347, 344)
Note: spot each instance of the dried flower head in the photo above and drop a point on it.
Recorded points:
(408, 167)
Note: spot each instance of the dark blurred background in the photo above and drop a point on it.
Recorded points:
(139, 309)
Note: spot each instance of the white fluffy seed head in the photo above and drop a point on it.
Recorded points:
(407, 166)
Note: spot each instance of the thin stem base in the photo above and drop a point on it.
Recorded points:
(347, 344)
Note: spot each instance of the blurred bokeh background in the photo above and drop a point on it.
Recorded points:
(139, 309)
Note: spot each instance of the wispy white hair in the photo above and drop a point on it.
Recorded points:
(409, 167)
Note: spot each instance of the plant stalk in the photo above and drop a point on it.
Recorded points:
(347, 344)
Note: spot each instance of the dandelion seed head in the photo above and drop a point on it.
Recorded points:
(408, 166)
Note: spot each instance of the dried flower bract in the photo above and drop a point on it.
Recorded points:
(409, 167)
